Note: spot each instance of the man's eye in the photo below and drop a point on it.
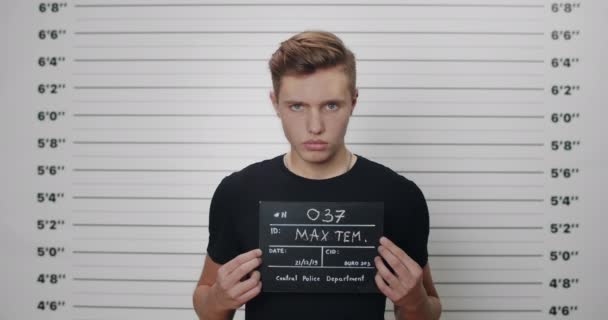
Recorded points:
(296, 107)
(332, 106)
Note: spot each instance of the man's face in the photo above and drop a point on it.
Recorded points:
(314, 111)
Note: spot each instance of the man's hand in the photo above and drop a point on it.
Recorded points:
(404, 287)
(229, 292)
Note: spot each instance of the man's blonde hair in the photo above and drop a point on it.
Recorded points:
(308, 51)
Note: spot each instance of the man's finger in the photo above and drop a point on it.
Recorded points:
(231, 265)
(251, 293)
(384, 288)
(244, 286)
(394, 262)
(242, 270)
(406, 260)
(386, 274)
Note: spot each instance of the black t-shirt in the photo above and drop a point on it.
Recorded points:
(233, 228)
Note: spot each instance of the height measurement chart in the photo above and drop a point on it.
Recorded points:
(121, 118)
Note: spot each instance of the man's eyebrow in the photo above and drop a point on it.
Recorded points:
(322, 102)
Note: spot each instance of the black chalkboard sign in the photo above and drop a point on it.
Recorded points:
(320, 246)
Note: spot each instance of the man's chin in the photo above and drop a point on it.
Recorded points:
(317, 157)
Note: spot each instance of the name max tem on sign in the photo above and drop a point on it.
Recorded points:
(321, 235)
(319, 246)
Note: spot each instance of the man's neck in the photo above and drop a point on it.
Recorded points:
(342, 161)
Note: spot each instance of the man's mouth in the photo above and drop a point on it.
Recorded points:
(315, 145)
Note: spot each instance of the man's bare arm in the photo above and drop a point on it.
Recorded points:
(431, 309)
(221, 290)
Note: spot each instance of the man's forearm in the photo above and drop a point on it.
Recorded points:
(205, 309)
(430, 310)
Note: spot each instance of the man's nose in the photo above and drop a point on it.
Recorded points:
(315, 122)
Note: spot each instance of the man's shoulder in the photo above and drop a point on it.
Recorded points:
(392, 180)
(252, 172)
(377, 170)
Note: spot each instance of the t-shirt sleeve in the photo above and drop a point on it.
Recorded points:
(412, 229)
(222, 245)
(422, 228)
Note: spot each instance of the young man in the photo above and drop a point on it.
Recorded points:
(314, 82)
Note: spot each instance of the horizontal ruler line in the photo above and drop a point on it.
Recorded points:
(139, 211)
(377, 101)
(263, 87)
(485, 213)
(215, 185)
(303, 225)
(131, 307)
(273, 115)
(144, 294)
(487, 255)
(207, 198)
(132, 280)
(200, 211)
(454, 241)
(326, 267)
(440, 227)
(539, 61)
(139, 225)
(487, 283)
(252, 130)
(196, 266)
(488, 228)
(139, 198)
(278, 246)
(194, 240)
(309, 5)
(489, 200)
(459, 74)
(247, 157)
(493, 310)
(137, 252)
(189, 295)
(536, 144)
(309, 17)
(232, 170)
(491, 297)
(490, 33)
(469, 171)
(488, 269)
(155, 266)
(394, 73)
(148, 170)
(202, 253)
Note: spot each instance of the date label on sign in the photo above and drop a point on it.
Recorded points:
(320, 246)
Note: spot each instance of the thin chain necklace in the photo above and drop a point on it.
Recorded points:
(350, 160)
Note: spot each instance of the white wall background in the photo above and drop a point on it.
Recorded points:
(164, 98)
